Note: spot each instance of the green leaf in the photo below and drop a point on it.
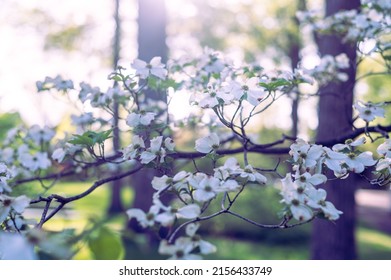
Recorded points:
(90, 138)
(83, 140)
(116, 77)
(272, 86)
(213, 156)
(106, 245)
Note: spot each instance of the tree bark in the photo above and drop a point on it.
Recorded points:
(337, 241)
(294, 55)
(151, 42)
(116, 186)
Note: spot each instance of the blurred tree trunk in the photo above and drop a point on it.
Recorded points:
(337, 241)
(115, 202)
(151, 43)
(294, 55)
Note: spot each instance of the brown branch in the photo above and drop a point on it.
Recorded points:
(67, 173)
(65, 200)
(270, 149)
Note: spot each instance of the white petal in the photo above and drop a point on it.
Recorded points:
(260, 178)
(136, 213)
(156, 61)
(133, 119)
(203, 196)
(156, 143)
(4, 211)
(301, 213)
(161, 73)
(58, 155)
(190, 211)
(165, 219)
(160, 182)
(14, 246)
(317, 179)
(180, 176)
(358, 142)
(366, 158)
(206, 247)
(147, 118)
(169, 144)
(138, 64)
(192, 228)
(147, 157)
(20, 203)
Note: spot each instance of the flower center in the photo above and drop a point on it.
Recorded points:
(351, 155)
(7, 202)
(300, 190)
(196, 238)
(367, 112)
(150, 216)
(180, 254)
(295, 202)
(322, 203)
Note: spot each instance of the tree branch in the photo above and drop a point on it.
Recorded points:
(65, 200)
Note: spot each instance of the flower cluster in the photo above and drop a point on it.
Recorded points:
(24, 152)
(302, 196)
(369, 111)
(194, 191)
(303, 199)
(371, 22)
(330, 68)
(233, 95)
(57, 83)
(157, 150)
(98, 98)
(383, 166)
(185, 248)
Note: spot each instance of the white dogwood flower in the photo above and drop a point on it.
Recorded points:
(357, 163)
(170, 214)
(206, 189)
(154, 151)
(369, 111)
(8, 203)
(144, 118)
(317, 200)
(385, 148)
(133, 150)
(154, 68)
(207, 144)
(252, 175)
(144, 219)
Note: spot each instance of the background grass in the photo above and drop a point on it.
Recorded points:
(234, 238)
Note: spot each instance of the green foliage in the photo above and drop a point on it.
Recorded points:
(65, 38)
(90, 138)
(274, 85)
(106, 244)
(8, 121)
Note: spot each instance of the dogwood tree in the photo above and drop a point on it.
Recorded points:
(229, 99)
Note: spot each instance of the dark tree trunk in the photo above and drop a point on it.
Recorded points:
(294, 55)
(151, 42)
(115, 201)
(337, 241)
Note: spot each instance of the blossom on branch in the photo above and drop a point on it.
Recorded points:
(207, 144)
(154, 68)
(8, 204)
(369, 111)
